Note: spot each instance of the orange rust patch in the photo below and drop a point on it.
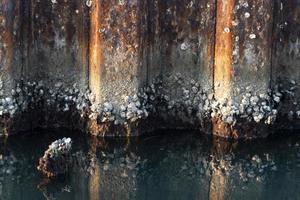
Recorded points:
(223, 49)
(223, 59)
(95, 57)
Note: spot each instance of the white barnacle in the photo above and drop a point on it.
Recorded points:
(8, 100)
(122, 108)
(88, 3)
(247, 14)
(291, 115)
(257, 118)
(102, 30)
(254, 100)
(58, 84)
(190, 5)
(18, 90)
(298, 114)
(195, 90)
(269, 120)
(293, 82)
(184, 46)
(276, 99)
(108, 106)
(123, 114)
(252, 36)
(121, 2)
(229, 119)
(227, 30)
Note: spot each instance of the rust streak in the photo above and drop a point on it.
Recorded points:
(223, 49)
(95, 57)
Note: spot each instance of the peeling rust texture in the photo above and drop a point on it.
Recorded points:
(286, 51)
(243, 47)
(10, 46)
(57, 42)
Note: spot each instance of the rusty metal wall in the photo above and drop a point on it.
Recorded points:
(243, 47)
(286, 56)
(242, 71)
(115, 48)
(10, 44)
(230, 47)
(181, 39)
(55, 36)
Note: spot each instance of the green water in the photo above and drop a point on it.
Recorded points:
(172, 166)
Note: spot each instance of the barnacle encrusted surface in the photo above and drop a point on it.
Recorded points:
(56, 159)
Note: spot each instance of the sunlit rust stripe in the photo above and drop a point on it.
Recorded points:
(95, 51)
(223, 49)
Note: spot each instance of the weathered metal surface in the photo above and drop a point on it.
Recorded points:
(114, 56)
(224, 48)
(186, 35)
(56, 39)
(253, 26)
(178, 40)
(243, 49)
(286, 57)
(114, 49)
(95, 50)
(10, 44)
(243, 55)
(203, 52)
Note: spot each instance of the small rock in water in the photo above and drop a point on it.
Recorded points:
(56, 159)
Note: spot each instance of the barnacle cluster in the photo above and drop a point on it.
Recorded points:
(176, 97)
(59, 147)
(35, 95)
(56, 159)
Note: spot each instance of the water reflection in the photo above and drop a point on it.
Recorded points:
(184, 166)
